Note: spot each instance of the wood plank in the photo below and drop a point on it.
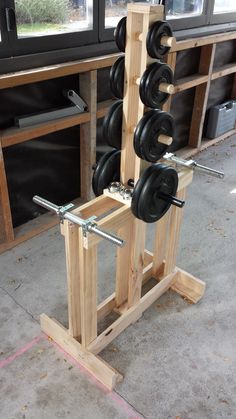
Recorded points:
(112, 222)
(6, 231)
(176, 215)
(190, 81)
(123, 256)
(206, 142)
(160, 243)
(56, 70)
(189, 286)
(88, 91)
(103, 372)
(224, 70)
(71, 232)
(88, 291)
(106, 306)
(201, 95)
(14, 135)
(136, 262)
(97, 206)
(203, 40)
(132, 314)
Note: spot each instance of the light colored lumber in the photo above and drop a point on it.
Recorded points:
(167, 41)
(88, 91)
(106, 306)
(131, 315)
(176, 215)
(160, 243)
(136, 261)
(188, 286)
(97, 206)
(111, 222)
(123, 256)
(165, 139)
(189, 82)
(88, 291)
(201, 95)
(6, 230)
(56, 70)
(104, 373)
(71, 232)
(166, 88)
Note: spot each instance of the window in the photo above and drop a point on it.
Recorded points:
(177, 9)
(224, 6)
(52, 17)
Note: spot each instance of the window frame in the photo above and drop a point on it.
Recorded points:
(43, 44)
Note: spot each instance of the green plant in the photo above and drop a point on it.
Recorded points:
(39, 11)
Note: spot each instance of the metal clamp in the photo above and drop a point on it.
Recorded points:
(88, 225)
(192, 164)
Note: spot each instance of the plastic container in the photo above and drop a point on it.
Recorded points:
(221, 119)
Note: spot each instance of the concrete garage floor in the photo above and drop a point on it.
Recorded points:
(179, 360)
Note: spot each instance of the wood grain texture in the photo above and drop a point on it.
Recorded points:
(6, 229)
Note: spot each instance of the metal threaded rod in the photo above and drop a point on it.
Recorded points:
(88, 225)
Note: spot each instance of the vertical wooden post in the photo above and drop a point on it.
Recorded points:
(88, 91)
(123, 264)
(201, 95)
(176, 215)
(6, 230)
(160, 243)
(71, 232)
(139, 18)
(88, 291)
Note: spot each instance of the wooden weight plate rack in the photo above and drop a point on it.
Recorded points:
(134, 264)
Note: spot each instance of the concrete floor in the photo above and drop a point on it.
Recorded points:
(179, 360)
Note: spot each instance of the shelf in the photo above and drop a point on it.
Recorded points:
(189, 82)
(203, 40)
(58, 70)
(224, 70)
(15, 135)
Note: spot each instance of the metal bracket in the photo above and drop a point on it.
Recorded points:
(62, 210)
(192, 164)
(88, 223)
(76, 100)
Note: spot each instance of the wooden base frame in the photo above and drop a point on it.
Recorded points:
(81, 339)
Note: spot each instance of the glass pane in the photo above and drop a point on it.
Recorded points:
(225, 6)
(183, 8)
(52, 17)
(115, 9)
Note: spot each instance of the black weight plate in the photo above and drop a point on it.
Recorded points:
(117, 78)
(149, 91)
(112, 125)
(146, 202)
(153, 43)
(107, 171)
(120, 34)
(150, 127)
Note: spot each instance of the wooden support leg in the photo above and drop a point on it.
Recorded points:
(188, 286)
(71, 232)
(176, 216)
(95, 365)
(6, 230)
(160, 243)
(137, 244)
(122, 264)
(88, 291)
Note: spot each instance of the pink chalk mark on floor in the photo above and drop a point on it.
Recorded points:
(21, 351)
